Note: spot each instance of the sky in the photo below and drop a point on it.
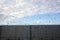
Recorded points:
(29, 12)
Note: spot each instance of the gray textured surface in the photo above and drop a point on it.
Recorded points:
(38, 32)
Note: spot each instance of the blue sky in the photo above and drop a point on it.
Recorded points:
(40, 19)
(29, 12)
(37, 19)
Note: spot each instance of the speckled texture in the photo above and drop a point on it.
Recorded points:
(29, 12)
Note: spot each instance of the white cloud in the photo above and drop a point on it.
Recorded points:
(22, 8)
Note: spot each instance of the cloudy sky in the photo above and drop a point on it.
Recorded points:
(29, 12)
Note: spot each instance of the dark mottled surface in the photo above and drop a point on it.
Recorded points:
(37, 32)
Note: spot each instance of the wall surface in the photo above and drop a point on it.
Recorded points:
(0, 31)
(37, 32)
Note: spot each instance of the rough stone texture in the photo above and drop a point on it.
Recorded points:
(38, 32)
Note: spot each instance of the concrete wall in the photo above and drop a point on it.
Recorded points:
(38, 32)
(0, 31)
(45, 33)
(15, 32)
